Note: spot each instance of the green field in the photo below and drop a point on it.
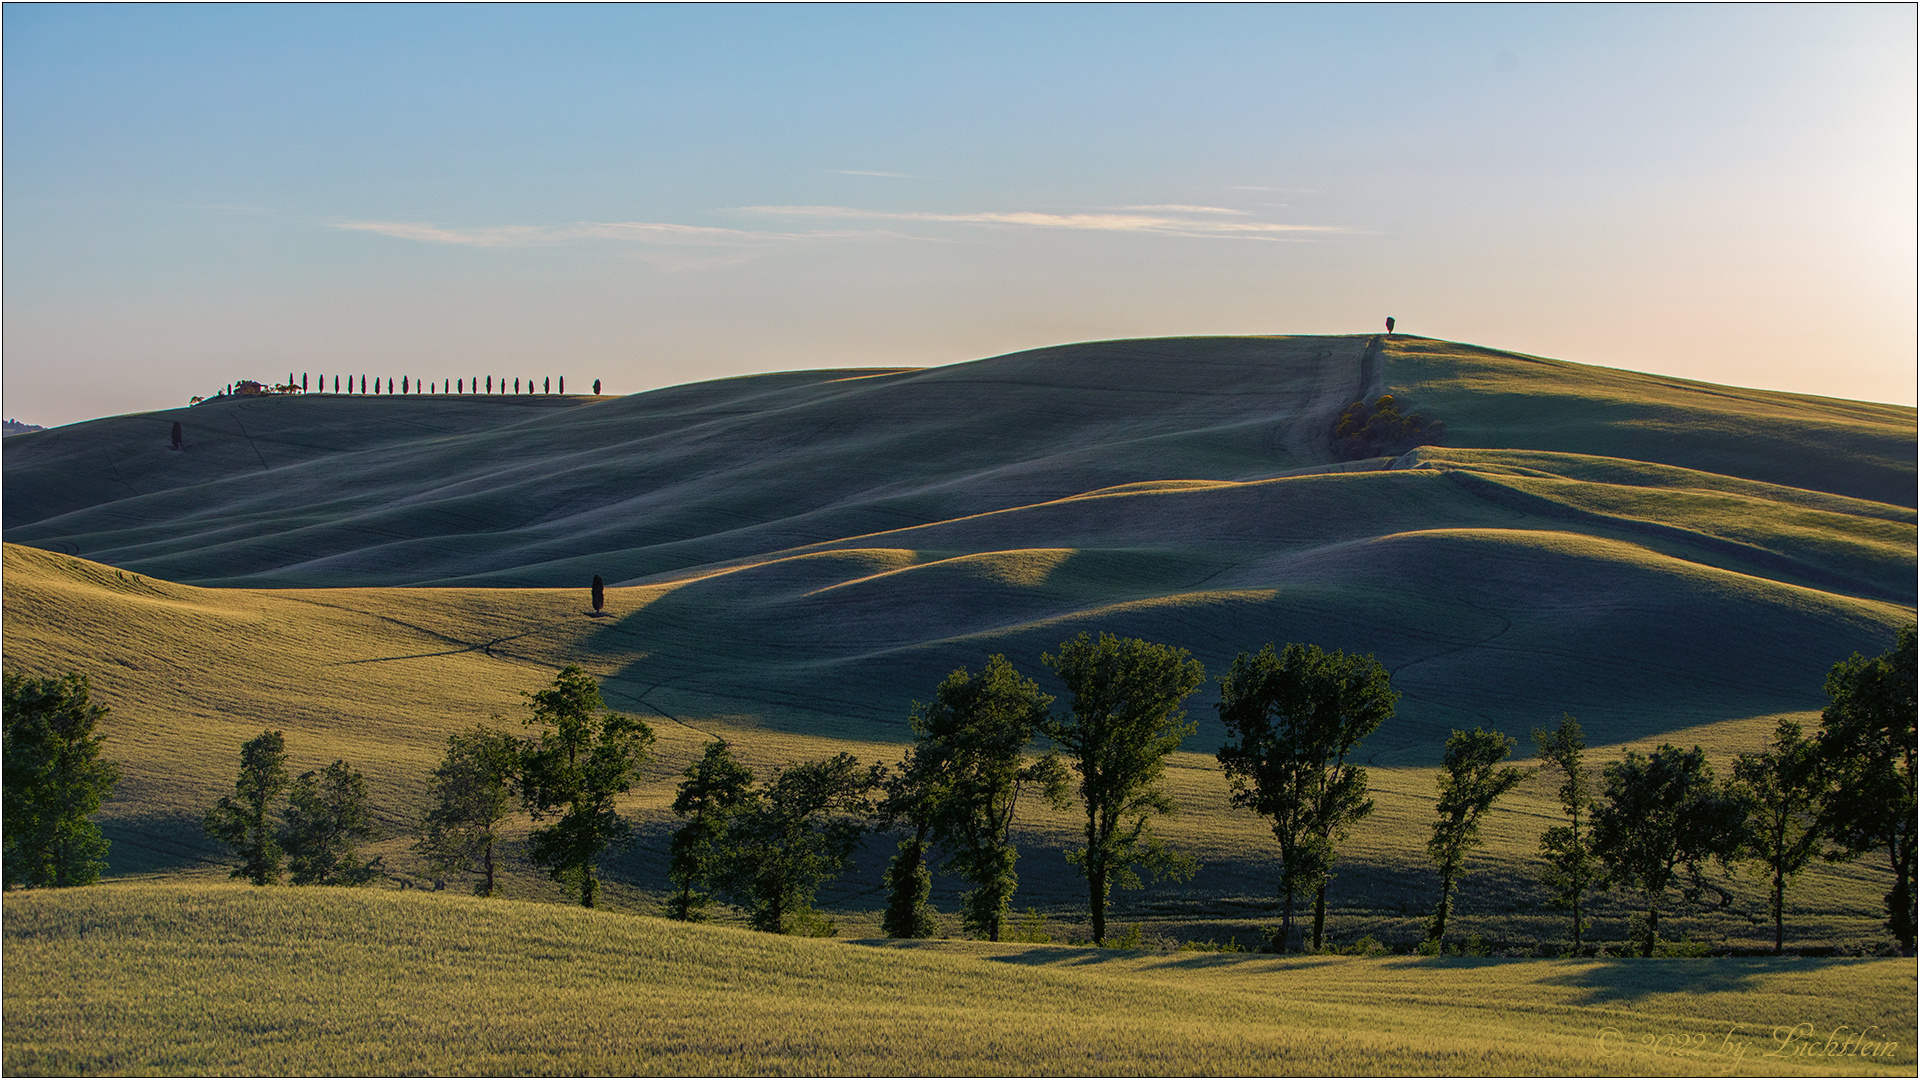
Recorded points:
(230, 979)
(795, 558)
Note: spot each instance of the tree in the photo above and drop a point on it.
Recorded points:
(799, 831)
(175, 440)
(1124, 720)
(327, 816)
(599, 594)
(1469, 783)
(1658, 816)
(909, 797)
(1297, 715)
(54, 782)
(469, 795)
(1785, 790)
(244, 820)
(712, 790)
(1866, 744)
(1571, 867)
(581, 761)
(563, 384)
(971, 751)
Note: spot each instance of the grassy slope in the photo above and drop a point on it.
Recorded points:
(806, 553)
(226, 979)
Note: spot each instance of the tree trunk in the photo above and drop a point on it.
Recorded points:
(589, 887)
(1285, 943)
(1900, 902)
(1319, 915)
(1097, 900)
(1445, 907)
(488, 864)
(1653, 927)
(1779, 914)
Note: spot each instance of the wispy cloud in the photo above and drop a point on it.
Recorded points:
(1171, 221)
(870, 172)
(1183, 208)
(645, 232)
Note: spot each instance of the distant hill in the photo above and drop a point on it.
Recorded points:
(15, 427)
(1643, 550)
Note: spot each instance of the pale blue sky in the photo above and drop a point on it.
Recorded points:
(653, 195)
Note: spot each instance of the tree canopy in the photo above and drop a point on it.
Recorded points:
(1125, 718)
(55, 781)
(792, 836)
(1471, 778)
(469, 795)
(1662, 817)
(1296, 716)
(1867, 744)
(581, 760)
(245, 820)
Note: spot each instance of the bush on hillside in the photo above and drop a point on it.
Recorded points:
(1381, 429)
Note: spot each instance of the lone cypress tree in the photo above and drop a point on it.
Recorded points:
(596, 386)
(599, 594)
(176, 436)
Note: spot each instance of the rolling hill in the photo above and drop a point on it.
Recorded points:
(797, 557)
(815, 549)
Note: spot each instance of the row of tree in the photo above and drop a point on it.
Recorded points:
(408, 385)
(1295, 716)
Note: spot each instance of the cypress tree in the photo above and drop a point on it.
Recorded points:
(596, 387)
(176, 435)
(599, 594)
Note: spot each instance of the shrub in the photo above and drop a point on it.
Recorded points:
(1364, 431)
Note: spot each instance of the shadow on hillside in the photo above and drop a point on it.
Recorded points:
(161, 843)
(1628, 980)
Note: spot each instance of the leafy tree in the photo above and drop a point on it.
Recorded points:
(1571, 868)
(581, 761)
(1658, 816)
(1785, 790)
(908, 880)
(599, 594)
(1470, 780)
(54, 782)
(971, 749)
(909, 885)
(1866, 743)
(1124, 721)
(327, 816)
(1297, 716)
(712, 790)
(469, 795)
(244, 820)
(799, 831)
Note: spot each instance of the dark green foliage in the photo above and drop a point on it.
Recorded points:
(599, 593)
(796, 833)
(469, 795)
(1124, 721)
(573, 770)
(909, 884)
(244, 820)
(969, 768)
(1363, 432)
(1571, 867)
(711, 791)
(1296, 716)
(327, 817)
(1785, 789)
(1661, 815)
(174, 439)
(1470, 780)
(1866, 744)
(54, 783)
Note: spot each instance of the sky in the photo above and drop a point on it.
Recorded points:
(664, 194)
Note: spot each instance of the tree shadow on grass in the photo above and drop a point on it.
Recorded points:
(1628, 980)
